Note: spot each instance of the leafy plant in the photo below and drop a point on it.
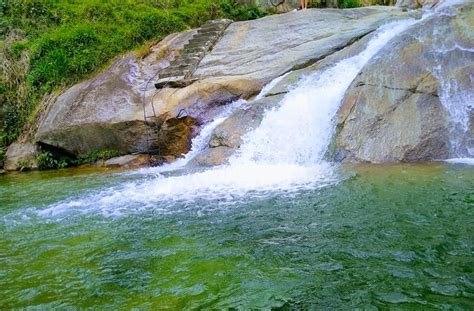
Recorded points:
(2, 156)
(94, 156)
(346, 4)
(23, 164)
(234, 10)
(46, 161)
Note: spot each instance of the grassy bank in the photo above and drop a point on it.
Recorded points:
(46, 45)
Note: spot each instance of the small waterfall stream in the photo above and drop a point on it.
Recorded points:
(458, 100)
(299, 131)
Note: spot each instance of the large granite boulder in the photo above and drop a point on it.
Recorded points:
(227, 137)
(263, 49)
(406, 104)
(108, 111)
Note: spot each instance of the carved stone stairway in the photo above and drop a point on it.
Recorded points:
(179, 72)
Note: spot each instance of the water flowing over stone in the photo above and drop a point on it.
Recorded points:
(413, 101)
(267, 160)
(106, 112)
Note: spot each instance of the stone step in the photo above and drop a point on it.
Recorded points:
(203, 43)
(176, 73)
(196, 50)
(181, 69)
(223, 22)
(175, 82)
(178, 66)
(204, 37)
(187, 59)
(209, 32)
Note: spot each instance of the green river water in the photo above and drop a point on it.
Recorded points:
(387, 237)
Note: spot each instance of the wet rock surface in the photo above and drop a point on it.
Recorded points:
(128, 161)
(393, 111)
(227, 137)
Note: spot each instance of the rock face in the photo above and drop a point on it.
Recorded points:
(227, 137)
(266, 48)
(108, 111)
(395, 110)
(181, 68)
(416, 4)
(128, 161)
(21, 155)
(280, 6)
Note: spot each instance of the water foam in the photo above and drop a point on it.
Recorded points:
(200, 142)
(469, 161)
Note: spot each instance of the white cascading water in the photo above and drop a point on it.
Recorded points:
(200, 142)
(457, 100)
(285, 153)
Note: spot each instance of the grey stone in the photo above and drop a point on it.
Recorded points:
(21, 156)
(107, 111)
(268, 47)
(416, 4)
(127, 161)
(392, 111)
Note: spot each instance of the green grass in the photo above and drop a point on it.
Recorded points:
(346, 4)
(50, 44)
(94, 156)
(46, 161)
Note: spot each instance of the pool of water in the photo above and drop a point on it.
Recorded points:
(383, 237)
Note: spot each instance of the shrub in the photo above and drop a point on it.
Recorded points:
(94, 156)
(346, 4)
(24, 165)
(2, 156)
(238, 12)
(46, 161)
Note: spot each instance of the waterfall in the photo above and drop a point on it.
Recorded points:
(284, 154)
(299, 131)
(198, 144)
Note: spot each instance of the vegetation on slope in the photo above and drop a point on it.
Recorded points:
(49, 44)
